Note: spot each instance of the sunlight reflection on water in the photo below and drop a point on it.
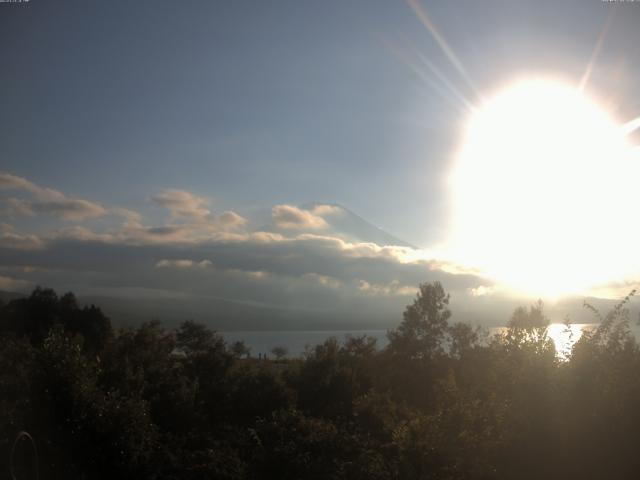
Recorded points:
(564, 337)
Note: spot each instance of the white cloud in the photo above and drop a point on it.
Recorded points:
(230, 221)
(484, 290)
(183, 264)
(9, 238)
(294, 218)
(68, 208)
(13, 182)
(324, 280)
(130, 216)
(266, 263)
(325, 210)
(193, 209)
(46, 201)
(82, 234)
(393, 288)
(182, 204)
(13, 284)
(256, 274)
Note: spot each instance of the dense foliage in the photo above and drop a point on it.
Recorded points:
(442, 401)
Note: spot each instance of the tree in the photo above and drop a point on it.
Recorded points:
(423, 330)
(359, 346)
(463, 338)
(528, 319)
(328, 381)
(240, 349)
(280, 352)
(527, 328)
(257, 391)
(195, 337)
(36, 314)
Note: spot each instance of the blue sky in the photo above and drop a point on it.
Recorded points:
(256, 104)
(259, 103)
(252, 104)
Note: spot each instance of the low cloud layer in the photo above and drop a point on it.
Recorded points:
(39, 200)
(214, 261)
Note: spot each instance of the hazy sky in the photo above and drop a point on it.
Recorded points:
(260, 103)
(249, 105)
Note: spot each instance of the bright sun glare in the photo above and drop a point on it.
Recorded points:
(544, 192)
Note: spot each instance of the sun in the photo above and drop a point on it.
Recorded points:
(544, 192)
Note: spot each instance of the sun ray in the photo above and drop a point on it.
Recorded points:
(441, 84)
(631, 126)
(422, 15)
(446, 82)
(596, 51)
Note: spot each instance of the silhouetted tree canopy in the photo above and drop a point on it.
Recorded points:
(240, 349)
(441, 401)
(279, 352)
(35, 315)
(424, 327)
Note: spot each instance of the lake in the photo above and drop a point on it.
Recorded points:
(261, 342)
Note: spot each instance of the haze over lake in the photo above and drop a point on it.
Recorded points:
(296, 342)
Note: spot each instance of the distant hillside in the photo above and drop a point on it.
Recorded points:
(221, 314)
(6, 297)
